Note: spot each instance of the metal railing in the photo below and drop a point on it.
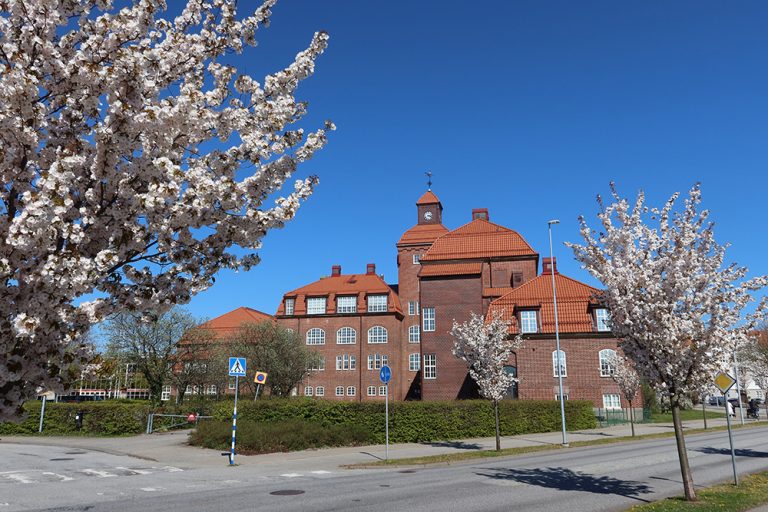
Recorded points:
(185, 422)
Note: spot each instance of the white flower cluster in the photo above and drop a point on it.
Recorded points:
(486, 347)
(676, 310)
(132, 162)
(625, 377)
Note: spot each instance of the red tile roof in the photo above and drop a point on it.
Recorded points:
(226, 324)
(345, 284)
(422, 234)
(496, 292)
(478, 239)
(454, 269)
(573, 302)
(428, 198)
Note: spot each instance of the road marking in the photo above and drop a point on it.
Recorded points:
(19, 478)
(62, 477)
(320, 472)
(151, 489)
(134, 471)
(291, 475)
(171, 469)
(96, 472)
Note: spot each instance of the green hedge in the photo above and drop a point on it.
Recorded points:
(418, 421)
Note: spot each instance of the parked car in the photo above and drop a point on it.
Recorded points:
(717, 400)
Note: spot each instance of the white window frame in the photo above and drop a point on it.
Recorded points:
(165, 394)
(316, 305)
(351, 391)
(414, 362)
(315, 336)
(563, 363)
(371, 390)
(231, 384)
(414, 334)
(413, 307)
(382, 390)
(377, 303)
(319, 367)
(612, 401)
(290, 305)
(606, 358)
(346, 362)
(308, 390)
(211, 389)
(602, 320)
(430, 366)
(428, 319)
(347, 337)
(528, 321)
(319, 391)
(339, 390)
(377, 335)
(557, 397)
(376, 361)
(417, 259)
(346, 304)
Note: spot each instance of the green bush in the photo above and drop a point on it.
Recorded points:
(281, 436)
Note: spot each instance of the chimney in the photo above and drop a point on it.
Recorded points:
(549, 266)
(335, 270)
(480, 213)
(371, 269)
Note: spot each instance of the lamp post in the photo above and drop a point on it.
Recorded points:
(557, 331)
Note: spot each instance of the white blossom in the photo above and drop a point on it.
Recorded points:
(625, 377)
(133, 162)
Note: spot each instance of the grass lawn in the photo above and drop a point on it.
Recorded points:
(751, 492)
(686, 415)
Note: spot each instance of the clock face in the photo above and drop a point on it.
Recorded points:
(428, 215)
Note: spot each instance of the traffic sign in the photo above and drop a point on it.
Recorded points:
(260, 378)
(724, 382)
(385, 374)
(237, 367)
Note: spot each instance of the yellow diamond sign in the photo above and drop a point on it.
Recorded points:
(724, 381)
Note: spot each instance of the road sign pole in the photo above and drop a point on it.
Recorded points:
(386, 421)
(42, 415)
(730, 439)
(234, 423)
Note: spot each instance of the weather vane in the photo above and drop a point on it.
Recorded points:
(429, 179)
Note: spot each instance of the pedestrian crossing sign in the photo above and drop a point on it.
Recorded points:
(237, 367)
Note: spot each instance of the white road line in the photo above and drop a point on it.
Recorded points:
(62, 477)
(96, 472)
(134, 471)
(320, 472)
(170, 469)
(19, 478)
(291, 475)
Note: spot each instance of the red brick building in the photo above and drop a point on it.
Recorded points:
(357, 322)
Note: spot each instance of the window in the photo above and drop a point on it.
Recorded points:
(346, 336)
(289, 303)
(607, 366)
(315, 336)
(317, 365)
(319, 391)
(430, 366)
(339, 390)
(376, 361)
(602, 320)
(377, 334)
(346, 304)
(563, 367)
(377, 303)
(382, 390)
(346, 362)
(557, 397)
(211, 390)
(511, 391)
(413, 307)
(428, 318)
(316, 306)
(528, 321)
(166, 394)
(414, 361)
(351, 391)
(416, 259)
(231, 384)
(414, 335)
(612, 401)
(371, 390)
(308, 391)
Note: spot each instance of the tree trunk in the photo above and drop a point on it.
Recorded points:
(685, 468)
(704, 411)
(631, 417)
(498, 433)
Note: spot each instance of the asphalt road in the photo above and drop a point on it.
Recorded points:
(608, 477)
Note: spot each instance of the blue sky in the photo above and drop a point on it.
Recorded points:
(528, 109)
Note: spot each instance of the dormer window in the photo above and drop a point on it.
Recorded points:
(316, 306)
(346, 304)
(289, 304)
(528, 321)
(602, 320)
(377, 303)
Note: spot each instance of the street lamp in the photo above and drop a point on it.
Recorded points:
(557, 331)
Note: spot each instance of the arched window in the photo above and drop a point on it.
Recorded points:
(607, 366)
(563, 366)
(414, 336)
(377, 334)
(315, 336)
(346, 336)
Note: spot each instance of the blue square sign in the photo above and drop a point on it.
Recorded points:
(237, 367)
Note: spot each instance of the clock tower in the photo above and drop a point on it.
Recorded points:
(429, 209)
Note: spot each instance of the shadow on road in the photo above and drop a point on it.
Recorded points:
(459, 445)
(740, 452)
(567, 480)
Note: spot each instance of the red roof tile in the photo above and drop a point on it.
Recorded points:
(573, 301)
(496, 292)
(422, 234)
(478, 239)
(428, 198)
(345, 284)
(454, 269)
(223, 325)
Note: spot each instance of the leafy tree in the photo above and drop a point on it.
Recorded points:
(674, 307)
(273, 349)
(486, 347)
(135, 165)
(151, 345)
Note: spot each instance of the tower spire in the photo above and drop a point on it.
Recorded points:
(429, 180)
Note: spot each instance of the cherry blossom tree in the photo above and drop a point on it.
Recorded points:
(676, 310)
(629, 384)
(135, 165)
(486, 346)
